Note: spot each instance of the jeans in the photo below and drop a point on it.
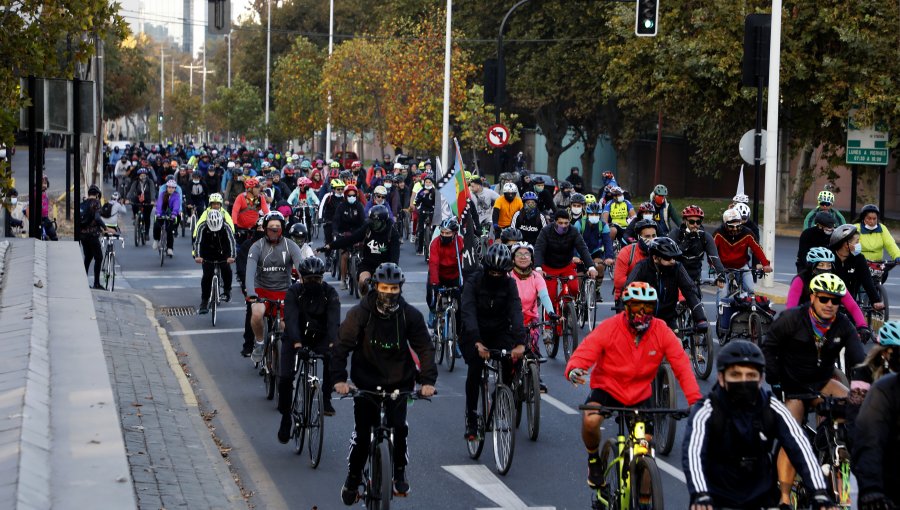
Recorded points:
(746, 283)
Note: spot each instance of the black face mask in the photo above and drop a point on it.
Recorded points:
(446, 240)
(742, 394)
(666, 270)
(386, 303)
(509, 196)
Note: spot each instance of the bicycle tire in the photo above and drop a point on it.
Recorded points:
(594, 317)
(270, 361)
(570, 330)
(438, 340)
(612, 473)
(315, 424)
(665, 396)
(476, 446)
(504, 435)
(590, 301)
(104, 270)
(645, 478)
(701, 354)
(162, 248)
(379, 494)
(298, 413)
(754, 328)
(551, 342)
(533, 398)
(450, 340)
(138, 232)
(351, 277)
(112, 272)
(214, 299)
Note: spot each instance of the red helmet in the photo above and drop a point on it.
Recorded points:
(355, 164)
(692, 210)
(251, 183)
(288, 170)
(351, 187)
(645, 207)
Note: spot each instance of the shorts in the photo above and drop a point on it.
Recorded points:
(273, 295)
(599, 396)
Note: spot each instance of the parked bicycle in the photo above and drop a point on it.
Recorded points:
(566, 329)
(445, 335)
(308, 406)
(496, 413)
(108, 267)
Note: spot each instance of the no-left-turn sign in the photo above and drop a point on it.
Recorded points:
(498, 136)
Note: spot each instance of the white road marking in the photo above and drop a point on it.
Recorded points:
(195, 332)
(486, 482)
(557, 404)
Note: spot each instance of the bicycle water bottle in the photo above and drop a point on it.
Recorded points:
(640, 440)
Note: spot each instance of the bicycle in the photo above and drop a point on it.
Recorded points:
(696, 344)
(215, 294)
(44, 235)
(586, 304)
(664, 396)
(526, 384)
(423, 240)
(108, 266)
(378, 474)
(140, 235)
(496, 414)
(444, 337)
(190, 223)
(742, 314)
(308, 406)
(876, 318)
(483, 241)
(568, 316)
(353, 270)
(268, 367)
(632, 479)
(829, 441)
(163, 238)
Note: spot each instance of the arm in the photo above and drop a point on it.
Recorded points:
(889, 243)
(582, 249)
(865, 276)
(468, 307)
(420, 342)
(346, 343)
(515, 314)
(690, 292)
(853, 349)
(870, 435)
(237, 206)
(694, 448)
(198, 239)
(433, 266)
(797, 446)
(590, 351)
(807, 222)
(292, 314)
(394, 247)
(859, 320)
(712, 255)
(770, 350)
(250, 272)
(757, 250)
(322, 208)
(294, 197)
(796, 290)
(620, 272)
(334, 315)
(355, 237)
(539, 246)
(606, 242)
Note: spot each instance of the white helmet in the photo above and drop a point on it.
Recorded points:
(731, 215)
(380, 190)
(741, 198)
(510, 188)
(215, 152)
(743, 209)
(214, 220)
(398, 166)
(231, 164)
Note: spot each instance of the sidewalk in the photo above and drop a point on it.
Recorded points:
(173, 459)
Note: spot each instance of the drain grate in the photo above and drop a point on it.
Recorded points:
(177, 311)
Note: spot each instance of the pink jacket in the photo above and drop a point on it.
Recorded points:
(796, 292)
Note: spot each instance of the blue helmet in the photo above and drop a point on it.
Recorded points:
(819, 254)
(889, 334)
(529, 195)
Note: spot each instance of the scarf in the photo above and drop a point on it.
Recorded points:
(820, 326)
(522, 274)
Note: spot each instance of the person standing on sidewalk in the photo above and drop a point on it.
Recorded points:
(92, 227)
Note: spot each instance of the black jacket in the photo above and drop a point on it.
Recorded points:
(694, 248)
(491, 316)
(545, 201)
(876, 440)
(809, 239)
(792, 357)
(312, 315)
(667, 287)
(530, 226)
(378, 247)
(556, 250)
(384, 349)
(348, 217)
(855, 273)
(240, 261)
(214, 246)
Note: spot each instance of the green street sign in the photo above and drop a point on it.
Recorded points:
(866, 145)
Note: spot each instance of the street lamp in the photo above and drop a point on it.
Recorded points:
(330, 50)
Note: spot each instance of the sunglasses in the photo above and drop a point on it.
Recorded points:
(734, 226)
(694, 222)
(380, 196)
(825, 300)
(825, 204)
(639, 306)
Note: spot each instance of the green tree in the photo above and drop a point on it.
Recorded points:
(238, 109)
(475, 118)
(126, 77)
(184, 112)
(298, 107)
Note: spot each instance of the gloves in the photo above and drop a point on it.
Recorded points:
(875, 501)
(702, 498)
(701, 326)
(576, 375)
(821, 500)
(865, 334)
(777, 391)
(553, 316)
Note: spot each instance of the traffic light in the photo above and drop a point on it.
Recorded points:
(160, 118)
(646, 18)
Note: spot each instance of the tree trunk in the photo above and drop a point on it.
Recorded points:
(590, 132)
(802, 181)
(554, 126)
(869, 181)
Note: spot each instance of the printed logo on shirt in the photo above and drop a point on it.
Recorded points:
(376, 247)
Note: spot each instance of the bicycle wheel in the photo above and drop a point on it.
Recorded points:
(475, 446)
(138, 232)
(315, 424)
(450, 339)
(378, 494)
(438, 340)
(701, 354)
(271, 365)
(664, 396)
(504, 428)
(351, 277)
(570, 330)
(298, 412)
(533, 398)
(104, 270)
(646, 484)
(590, 302)
(613, 495)
(214, 299)
(162, 249)
(112, 272)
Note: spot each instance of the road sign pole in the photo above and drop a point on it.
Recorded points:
(854, 175)
(882, 175)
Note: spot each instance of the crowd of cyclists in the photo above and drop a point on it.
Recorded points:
(744, 444)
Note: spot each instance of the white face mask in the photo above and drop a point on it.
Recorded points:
(13, 200)
(594, 219)
(351, 200)
(857, 248)
(576, 211)
(428, 186)
(388, 185)
(620, 198)
(648, 216)
(870, 227)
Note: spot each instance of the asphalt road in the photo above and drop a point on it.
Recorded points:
(549, 473)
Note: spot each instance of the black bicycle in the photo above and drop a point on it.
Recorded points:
(526, 383)
(444, 337)
(268, 367)
(308, 406)
(742, 314)
(876, 318)
(664, 396)
(496, 413)
(140, 225)
(108, 267)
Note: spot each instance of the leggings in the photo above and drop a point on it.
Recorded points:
(92, 252)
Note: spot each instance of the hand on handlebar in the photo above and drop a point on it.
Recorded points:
(878, 306)
(766, 269)
(553, 316)
(427, 390)
(198, 260)
(483, 352)
(517, 353)
(342, 388)
(576, 376)
(592, 271)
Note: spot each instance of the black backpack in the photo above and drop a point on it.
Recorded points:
(86, 214)
(106, 210)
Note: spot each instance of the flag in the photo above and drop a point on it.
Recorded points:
(452, 185)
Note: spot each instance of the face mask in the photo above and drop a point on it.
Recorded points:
(857, 249)
(666, 270)
(594, 220)
(576, 211)
(196, 181)
(509, 196)
(538, 188)
(13, 200)
(273, 237)
(561, 230)
(647, 217)
(620, 198)
(828, 230)
(351, 200)
(387, 303)
(639, 321)
(339, 194)
(867, 227)
(566, 194)
(742, 394)
(428, 186)
(388, 185)
(659, 200)
(446, 240)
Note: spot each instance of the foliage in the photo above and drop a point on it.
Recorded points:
(183, 113)
(298, 108)
(238, 108)
(126, 76)
(475, 117)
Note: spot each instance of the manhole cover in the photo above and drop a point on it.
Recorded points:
(177, 311)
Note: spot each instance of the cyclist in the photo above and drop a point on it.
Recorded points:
(235, 185)
(734, 242)
(644, 212)
(505, 207)
(663, 211)
(112, 211)
(328, 206)
(312, 314)
(168, 205)
(240, 264)
(553, 253)
(851, 266)
(249, 206)
(618, 212)
(816, 235)
(510, 236)
(269, 264)
(730, 436)
(92, 227)
(623, 354)
(597, 238)
(379, 197)
(380, 244)
(826, 204)
(349, 215)
(874, 236)
(424, 203)
(444, 263)
(576, 212)
(215, 203)
(491, 319)
(142, 196)
(282, 191)
(532, 290)
(529, 220)
(381, 332)
(802, 347)
(562, 198)
(545, 202)
(300, 235)
(630, 255)
(877, 364)
(697, 244)
(214, 244)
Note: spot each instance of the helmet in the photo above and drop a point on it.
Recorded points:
(593, 208)
(731, 215)
(825, 196)
(380, 190)
(819, 254)
(744, 209)
(379, 218)
(305, 164)
(274, 215)
(231, 164)
(351, 187)
(214, 220)
(398, 166)
(270, 193)
(94, 190)
(507, 176)
(577, 198)
(115, 196)
(645, 207)
(216, 198)
(740, 352)
(356, 164)
(510, 234)
(565, 185)
(299, 234)
(304, 181)
(319, 162)
(842, 234)
(639, 291)
(741, 198)
(510, 188)
(289, 170)
(590, 198)
(664, 247)
(12, 192)
(334, 164)
(251, 183)
(337, 183)
(142, 171)
(828, 283)
(889, 334)
(195, 173)
(869, 208)
(640, 225)
(390, 273)
(692, 210)
(660, 190)
(497, 258)
(529, 195)
(522, 244)
(311, 266)
(616, 190)
(450, 224)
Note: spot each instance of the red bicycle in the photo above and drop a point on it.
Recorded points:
(567, 327)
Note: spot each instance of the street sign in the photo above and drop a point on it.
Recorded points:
(866, 145)
(746, 147)
(498, 136)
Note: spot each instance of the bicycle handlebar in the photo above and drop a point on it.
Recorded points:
(381, 395)
(608, 411)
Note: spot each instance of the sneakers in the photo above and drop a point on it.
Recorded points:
(344, 285)
(155, 245)
(257, 355)
(329, 409)
(169, 252)
(204, 308)
(401, 485)
(350, 490)
(246, 350)
(471, 428)
(543, 387)
(284, 431)
(226, 296)
(595, 471)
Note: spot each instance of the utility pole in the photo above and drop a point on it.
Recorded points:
(330, 51)
(191, 68)
(203, 96)
(162, 91)
(229, 59)
(268, 57)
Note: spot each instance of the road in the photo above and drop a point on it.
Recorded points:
(549, 473)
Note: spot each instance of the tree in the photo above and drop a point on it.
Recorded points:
(126, 76)
(183, 112)
(475, 118)
(238, 109)
(298, 107)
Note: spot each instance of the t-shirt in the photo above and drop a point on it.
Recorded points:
(507, 209)
(618, 212)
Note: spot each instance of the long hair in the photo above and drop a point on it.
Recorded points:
(875, 362)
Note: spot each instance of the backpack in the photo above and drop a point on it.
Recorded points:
(86, 214)
(106, 210)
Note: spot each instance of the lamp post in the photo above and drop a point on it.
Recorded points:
(330, 50)
(268, 58)
(500, 96)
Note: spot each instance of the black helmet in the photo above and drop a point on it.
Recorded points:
(12, 192)
(389, 272)
(299, 233)
(379, 218)
(577, 198)
(311, 266)
(274, 215)
(664, 247)
(94, 190)
(450, 224)
(642, 224)
(869, 208)
(565, 185)
(497, 258)
(510, 234)
(740, 352)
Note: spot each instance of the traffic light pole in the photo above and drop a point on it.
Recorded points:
(500, 96)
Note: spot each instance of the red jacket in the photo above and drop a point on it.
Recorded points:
(443, 261)
(245, 214)
(625, 370)
(733, 249)
(628, 257)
